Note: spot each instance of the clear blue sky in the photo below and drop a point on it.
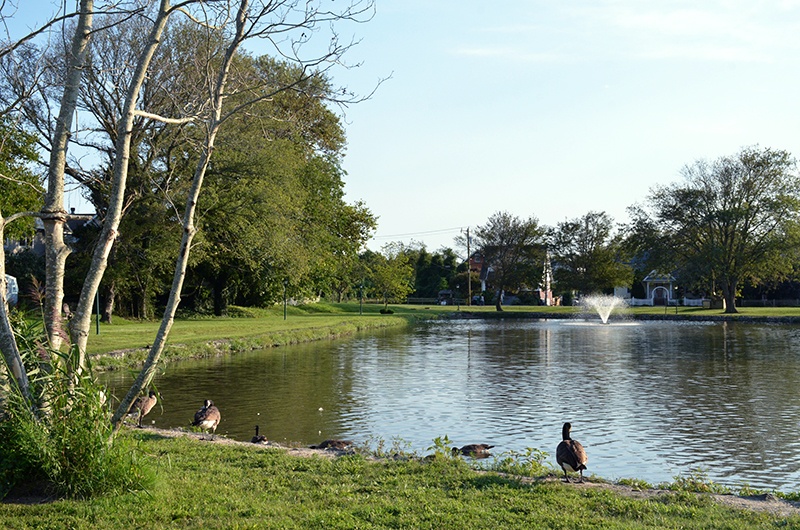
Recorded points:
(552, 109)
(555, 108)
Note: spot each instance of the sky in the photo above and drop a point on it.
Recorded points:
(552, 109)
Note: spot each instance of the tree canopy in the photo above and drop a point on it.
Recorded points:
(586, 255)
(20, 186)
(514, 249)
(729, 220)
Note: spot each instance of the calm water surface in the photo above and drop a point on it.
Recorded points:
(648, 400)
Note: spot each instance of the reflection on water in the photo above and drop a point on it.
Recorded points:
(650, 401)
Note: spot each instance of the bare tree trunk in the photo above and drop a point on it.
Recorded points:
(80, 324)
(8, 343)
(108, 307)
(220, 281)
(189, 230)
(729, 295)
(53, 213)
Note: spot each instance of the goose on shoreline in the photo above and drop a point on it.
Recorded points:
(473, 450)
(143, 405)
(207, 418)
(570, 454)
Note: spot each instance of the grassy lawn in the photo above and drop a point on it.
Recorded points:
(124, 334)
(249, 329)
(201, 484)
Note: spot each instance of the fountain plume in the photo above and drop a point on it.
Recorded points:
(603, 304)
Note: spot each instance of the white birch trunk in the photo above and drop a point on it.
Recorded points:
(148, 370)
(81, 322)
(53, 213)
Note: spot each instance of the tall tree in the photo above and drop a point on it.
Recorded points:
(20, 187)
(514, 250)
(259, 20)
(729, 220)
(53, 214)
(587, 255)
(391, 273)
(289, 26)
(434, 272)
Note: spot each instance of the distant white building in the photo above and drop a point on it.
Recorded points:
(12, 290)
(658, 290)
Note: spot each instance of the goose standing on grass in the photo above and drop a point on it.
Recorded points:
(258, 438)
(473, 450)
(143, 405)
(570, 454)
(207, 418)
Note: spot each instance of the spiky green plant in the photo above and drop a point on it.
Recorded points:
(60, 441)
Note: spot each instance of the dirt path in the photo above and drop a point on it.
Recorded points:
(759, 503)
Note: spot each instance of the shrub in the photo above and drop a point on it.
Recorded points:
(61, 440)
(235, 311)
(528, 463)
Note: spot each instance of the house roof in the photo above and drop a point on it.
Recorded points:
(656, 276)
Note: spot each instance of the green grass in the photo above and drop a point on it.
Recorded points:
(250, 329)
(211, 485)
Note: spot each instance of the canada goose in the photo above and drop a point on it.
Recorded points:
(143, 405)
(338, 445)
(207, 417)
(570, 454)
(473, 450)
(258, 438)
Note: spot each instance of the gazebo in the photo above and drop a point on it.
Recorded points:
(658, 288)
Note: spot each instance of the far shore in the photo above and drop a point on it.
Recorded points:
(125, 344)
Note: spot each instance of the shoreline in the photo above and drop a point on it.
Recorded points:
(762, 502)
(132, 358)
(537, 315)
(135, 357)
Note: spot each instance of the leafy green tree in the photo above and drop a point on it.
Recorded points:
(434, 272)
(730, 220)
(274, 206)
(514, 250)
(587, 255)
(20, 188)
(391, 274)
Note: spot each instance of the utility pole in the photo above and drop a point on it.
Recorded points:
(469, 272)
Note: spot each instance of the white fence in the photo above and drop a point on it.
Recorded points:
(691, 302)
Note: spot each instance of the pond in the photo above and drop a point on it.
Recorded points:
(650, 400)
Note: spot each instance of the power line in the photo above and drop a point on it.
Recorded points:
(428, 233)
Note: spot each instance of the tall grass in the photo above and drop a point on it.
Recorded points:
(60, 444)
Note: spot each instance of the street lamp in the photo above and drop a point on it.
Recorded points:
(361, 299)
(458, 302)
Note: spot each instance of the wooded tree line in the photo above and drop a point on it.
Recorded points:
(730, 225)
(215, 174)
(273, 208)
